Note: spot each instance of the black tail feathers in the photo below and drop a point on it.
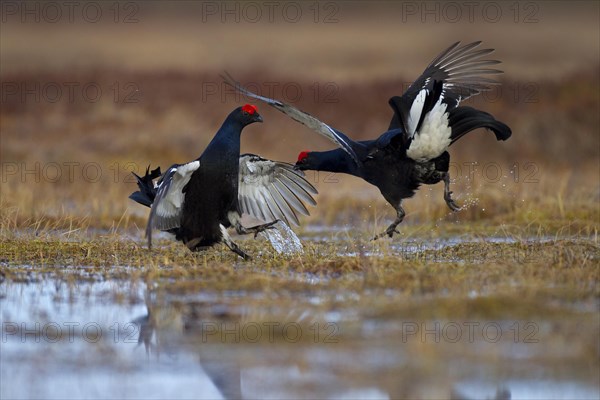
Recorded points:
(465, 119)
(147, 192)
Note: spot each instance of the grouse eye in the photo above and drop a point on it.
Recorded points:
(245, 113)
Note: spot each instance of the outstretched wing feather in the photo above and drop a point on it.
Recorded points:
(300, 116)
(290, 197)
(463, 74)
(166, 209)
(270, 190)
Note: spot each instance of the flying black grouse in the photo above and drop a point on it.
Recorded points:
(199, 200)
(426, 120)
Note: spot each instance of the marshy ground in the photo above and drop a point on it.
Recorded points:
(465, 315)
(498, 300)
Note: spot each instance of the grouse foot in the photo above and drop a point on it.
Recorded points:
(256, 229)
(392, 228)
(389, 232)
(448, 194)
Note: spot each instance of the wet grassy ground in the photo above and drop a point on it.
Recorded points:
(462, 314)
(500, 299)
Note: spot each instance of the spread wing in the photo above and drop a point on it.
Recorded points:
(166, 209)
(270, 190)
(463, 74)
(304, 118)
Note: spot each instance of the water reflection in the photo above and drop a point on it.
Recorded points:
(239, 346)
(115, 339)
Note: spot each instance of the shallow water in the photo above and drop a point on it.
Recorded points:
(79, 334)
(120, 339)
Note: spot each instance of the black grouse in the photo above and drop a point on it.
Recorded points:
(199, 200)
(426, 120)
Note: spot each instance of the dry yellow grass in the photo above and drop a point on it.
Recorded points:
(524, 252)
(66, 164)
(73, 161)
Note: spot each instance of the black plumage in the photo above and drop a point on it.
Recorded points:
(199, 200)
(426, 120)
(145, 196)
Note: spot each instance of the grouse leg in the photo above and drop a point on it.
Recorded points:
(392, 228)
(236, 249)
(193, 245)
(241, 230)
(232, 245)
(447, 193)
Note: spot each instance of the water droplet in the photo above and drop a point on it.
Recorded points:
(283, 239)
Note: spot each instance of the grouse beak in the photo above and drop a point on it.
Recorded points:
(298, 166)
(258, 118)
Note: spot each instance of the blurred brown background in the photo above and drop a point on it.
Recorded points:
(93, 90)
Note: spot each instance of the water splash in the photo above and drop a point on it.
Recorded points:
(283, 239)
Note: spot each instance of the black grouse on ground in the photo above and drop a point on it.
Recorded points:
(426, 120)
(199, 200)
